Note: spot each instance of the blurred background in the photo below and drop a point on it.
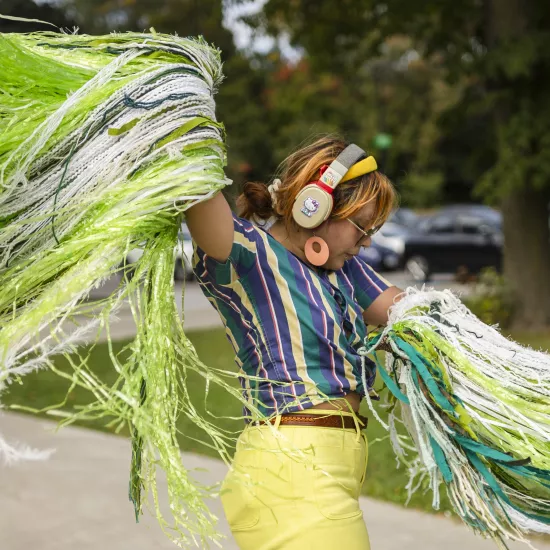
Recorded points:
(451, 97)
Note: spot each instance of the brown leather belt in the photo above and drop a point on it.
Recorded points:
(328, 421)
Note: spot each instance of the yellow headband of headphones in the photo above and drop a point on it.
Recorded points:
(360, 169)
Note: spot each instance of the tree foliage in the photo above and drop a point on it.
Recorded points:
(47, 12)
(493, 134)
(508, 72)
(463, 89)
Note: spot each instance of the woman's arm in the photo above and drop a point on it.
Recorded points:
(211, 226)
(377, 313)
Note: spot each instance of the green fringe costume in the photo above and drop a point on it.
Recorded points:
(105, 141)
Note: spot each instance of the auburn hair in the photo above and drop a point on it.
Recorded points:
(301, 168)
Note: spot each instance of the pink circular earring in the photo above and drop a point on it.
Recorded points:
(316, 251)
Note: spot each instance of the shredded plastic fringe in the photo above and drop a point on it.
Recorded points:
(105, 141)
(476, 406)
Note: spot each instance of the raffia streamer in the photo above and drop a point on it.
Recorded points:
(104, 143)
(476, 404)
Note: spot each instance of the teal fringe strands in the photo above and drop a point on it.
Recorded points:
(476, 407)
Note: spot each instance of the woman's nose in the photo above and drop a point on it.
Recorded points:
(366, 242)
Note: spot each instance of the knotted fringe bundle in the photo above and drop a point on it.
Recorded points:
(104, 143)
(477, 407)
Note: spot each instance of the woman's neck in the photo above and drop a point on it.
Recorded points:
(293, 243)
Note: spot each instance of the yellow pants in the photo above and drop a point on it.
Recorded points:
(297, 488)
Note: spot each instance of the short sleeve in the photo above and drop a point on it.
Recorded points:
(242, 257)
(368, 284)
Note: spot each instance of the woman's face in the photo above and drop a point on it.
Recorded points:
(343, 239)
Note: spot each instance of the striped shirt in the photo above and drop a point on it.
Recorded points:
(295, 330)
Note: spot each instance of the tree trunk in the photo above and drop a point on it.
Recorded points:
(527, 255)
(524, 209)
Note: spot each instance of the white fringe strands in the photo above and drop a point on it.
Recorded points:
(477, 407)
(104, 143)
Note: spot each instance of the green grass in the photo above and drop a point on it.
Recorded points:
(44, 388)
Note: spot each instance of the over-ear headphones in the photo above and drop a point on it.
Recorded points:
(314, 202)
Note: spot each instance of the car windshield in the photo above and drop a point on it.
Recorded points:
(391, 229)
(469, 219)
(486, 214)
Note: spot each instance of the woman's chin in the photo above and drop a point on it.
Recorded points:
(334, 264)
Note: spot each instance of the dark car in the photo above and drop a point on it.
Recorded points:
(404, 217)
(371, 256)
(380, 258)
(458, 239)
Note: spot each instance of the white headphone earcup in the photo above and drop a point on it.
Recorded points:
(312, 206)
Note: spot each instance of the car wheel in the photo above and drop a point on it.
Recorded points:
(390, 262)
(418, 268)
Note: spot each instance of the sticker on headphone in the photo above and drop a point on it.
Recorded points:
(310, 207)
(328, 178)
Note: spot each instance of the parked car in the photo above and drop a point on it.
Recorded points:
(404, 217)
(371, 256)
(386, 258)
(457, 239)
(392, 237)
(183, 256)
(390, 240)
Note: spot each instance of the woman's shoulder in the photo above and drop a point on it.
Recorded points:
(257, 225)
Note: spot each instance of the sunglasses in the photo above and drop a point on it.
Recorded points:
(366, 234)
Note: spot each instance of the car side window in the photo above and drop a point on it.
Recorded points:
(442, 225)
(471, 225)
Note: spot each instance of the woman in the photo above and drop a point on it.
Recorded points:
(295, 299)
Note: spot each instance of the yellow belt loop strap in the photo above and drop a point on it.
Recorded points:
(357, 427)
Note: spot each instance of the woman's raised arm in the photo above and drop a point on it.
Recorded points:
(211, 226)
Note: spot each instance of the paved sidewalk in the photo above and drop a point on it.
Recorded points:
(77, 500)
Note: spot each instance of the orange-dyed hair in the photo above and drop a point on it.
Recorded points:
(302, 167)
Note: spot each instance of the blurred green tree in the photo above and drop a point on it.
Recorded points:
(302, 100)
(48, 12)
(270, 106)
(182, 17)
(497, 55)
